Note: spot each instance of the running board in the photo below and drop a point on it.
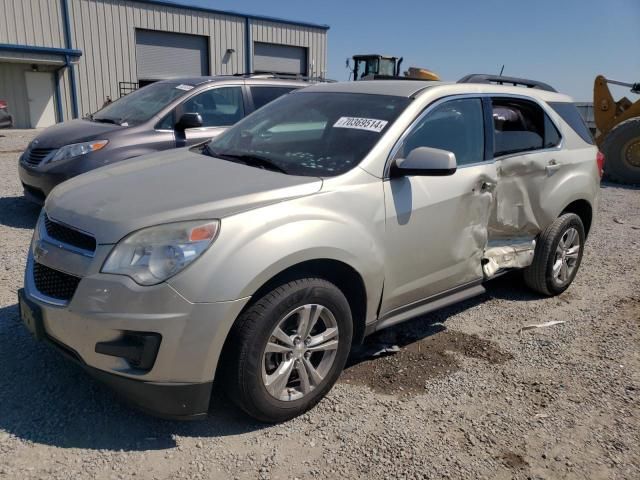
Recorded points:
(428, 305)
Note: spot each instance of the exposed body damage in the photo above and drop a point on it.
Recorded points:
(502, 257)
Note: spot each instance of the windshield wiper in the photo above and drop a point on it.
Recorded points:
(107, 120)
(251, 160)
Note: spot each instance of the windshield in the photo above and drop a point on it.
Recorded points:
(310, 133)
(141, 105)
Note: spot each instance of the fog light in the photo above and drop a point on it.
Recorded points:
(139, 349)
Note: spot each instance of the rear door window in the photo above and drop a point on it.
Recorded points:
(218, 107)
(521, 126)
(264, 94)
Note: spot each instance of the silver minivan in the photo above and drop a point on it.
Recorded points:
(259, 258)
(166, 114)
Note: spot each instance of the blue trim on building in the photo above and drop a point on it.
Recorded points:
(46, 50)
(64, 5)
(166, 3)
(248, 50)
(73, 88)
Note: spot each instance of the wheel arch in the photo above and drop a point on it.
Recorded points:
(341, 274)
(583, 209)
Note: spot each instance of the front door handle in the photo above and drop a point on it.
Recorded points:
(488, 186)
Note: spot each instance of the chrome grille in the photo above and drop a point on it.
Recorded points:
(69, 235)
(53, 283)
(34, 156)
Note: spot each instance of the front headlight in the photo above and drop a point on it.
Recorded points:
(77, 149)
(152, 255)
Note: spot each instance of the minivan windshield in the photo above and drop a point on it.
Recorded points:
(310, 133)
(141, 105)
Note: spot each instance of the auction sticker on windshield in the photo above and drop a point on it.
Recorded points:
(359, 123)
(184, 87)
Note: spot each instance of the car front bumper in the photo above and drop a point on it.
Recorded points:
(37, 184)
(106, 308)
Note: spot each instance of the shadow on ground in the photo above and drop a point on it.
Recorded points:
(47, 399)
(506, 287)
(18, 212)
(401, 360)
(609, 184)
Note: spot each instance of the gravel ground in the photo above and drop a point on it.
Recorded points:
(466, 396)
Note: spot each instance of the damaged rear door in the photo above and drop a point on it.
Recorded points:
(527, 157)
(436, 226)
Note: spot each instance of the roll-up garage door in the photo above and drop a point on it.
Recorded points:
(161, 55)
(272, 58)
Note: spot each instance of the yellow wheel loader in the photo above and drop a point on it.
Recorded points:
(385, 67)
(618, 124)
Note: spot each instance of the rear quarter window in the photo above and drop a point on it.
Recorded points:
(265, 94)
(569, 113)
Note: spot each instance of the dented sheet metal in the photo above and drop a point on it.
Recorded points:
(517, 210)
(515, 254)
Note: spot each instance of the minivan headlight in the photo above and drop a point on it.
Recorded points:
(152, 255)
(78, 149)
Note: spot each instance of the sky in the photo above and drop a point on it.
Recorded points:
(565, 43)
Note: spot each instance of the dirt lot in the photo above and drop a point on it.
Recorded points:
(466, 395)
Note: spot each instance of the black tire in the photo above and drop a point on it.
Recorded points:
(616, 148)
(244, 351)
(539, 275)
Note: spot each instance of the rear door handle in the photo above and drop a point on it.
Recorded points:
(552, 167)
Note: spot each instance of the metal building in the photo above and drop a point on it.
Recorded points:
(61, 59)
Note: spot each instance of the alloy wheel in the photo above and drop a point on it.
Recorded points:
(566, 257)
(300, 352)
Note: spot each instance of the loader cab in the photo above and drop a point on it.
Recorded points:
(370, 66)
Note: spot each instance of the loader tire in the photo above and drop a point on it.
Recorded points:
(621, 150)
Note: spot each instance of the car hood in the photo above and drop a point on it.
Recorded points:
(115, 200)
(73, 131)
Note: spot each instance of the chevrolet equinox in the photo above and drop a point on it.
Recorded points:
(260, 257)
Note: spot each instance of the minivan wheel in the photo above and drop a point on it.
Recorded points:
(287, 349)
(557, 256)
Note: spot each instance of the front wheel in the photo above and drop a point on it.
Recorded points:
(557, 256)
(287, 350)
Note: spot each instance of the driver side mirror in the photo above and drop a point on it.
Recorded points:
(188, 120)
(425, 161)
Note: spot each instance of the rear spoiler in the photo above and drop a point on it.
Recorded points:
(500, 80)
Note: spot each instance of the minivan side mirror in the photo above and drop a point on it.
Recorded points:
(425, 161)
(188, 120)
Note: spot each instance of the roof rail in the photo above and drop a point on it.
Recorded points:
(500, 80)
(283, 76)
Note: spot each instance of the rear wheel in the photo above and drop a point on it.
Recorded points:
(557, 256)
(621, 149)
(288, 348)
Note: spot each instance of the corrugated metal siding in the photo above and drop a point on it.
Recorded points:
(105, 32)
(315, 39)
(31, 22)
